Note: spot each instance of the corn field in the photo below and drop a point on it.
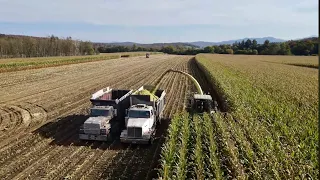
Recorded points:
(269, 131)
(190, 149)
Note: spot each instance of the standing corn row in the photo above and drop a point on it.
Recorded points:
(185, 135)
(275, 110)
(168, 154)
(198, 153)
(191, 149)
(213, 166)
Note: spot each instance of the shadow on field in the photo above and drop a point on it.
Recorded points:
(131, 161)
(65, 132)
(138, 161)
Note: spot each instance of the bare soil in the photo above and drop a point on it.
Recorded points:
(41, 111)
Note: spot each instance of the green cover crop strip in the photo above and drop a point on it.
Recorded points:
(18, 64)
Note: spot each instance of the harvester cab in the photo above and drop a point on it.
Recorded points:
(201, 103)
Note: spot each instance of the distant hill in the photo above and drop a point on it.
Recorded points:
(153, 45)
(259, 40)
(196, 44)
(202, 44)
(314, 37)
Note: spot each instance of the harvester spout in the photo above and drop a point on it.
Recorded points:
(196, 83)
(188, 75)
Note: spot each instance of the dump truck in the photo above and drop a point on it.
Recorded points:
(107, 115)
(144, 114)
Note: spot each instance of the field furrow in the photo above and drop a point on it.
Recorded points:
(48, 147)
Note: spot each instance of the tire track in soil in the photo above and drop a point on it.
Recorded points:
(47, 78)
(59, 87)
(138, 159)
(153, 172)
(142, 170)
(99, 161)
(156, 149)
(57, 113)
(66, 82)
(75, 84)
(93, 168)
(80, 153)
(58, 80)
(114, 165)
(188, 87)
(29, 156)
(24, 137)
(135, 163)
(103, 148)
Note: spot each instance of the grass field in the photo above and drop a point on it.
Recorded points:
(16, 64)
(269, 132)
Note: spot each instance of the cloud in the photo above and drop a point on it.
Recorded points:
(161, 13)
(160, 21)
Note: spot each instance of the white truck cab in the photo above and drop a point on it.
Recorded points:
(143, 115)
(140, 124)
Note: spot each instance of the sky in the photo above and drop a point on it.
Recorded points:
(150, 21)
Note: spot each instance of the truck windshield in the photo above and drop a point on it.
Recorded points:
(139, 114)
(99, 112)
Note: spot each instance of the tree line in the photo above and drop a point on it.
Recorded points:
(249, 47)
(26, 46)
(12, 46)
(304, 47)
(133, 48)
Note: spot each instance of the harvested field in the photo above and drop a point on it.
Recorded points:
(18, 64)
(42, 109)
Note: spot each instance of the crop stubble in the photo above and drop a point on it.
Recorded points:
(56, 99)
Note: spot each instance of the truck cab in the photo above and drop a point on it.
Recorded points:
(140, 124)
(106, 111)
(144, 113)
(97, 126)
(107, 115)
